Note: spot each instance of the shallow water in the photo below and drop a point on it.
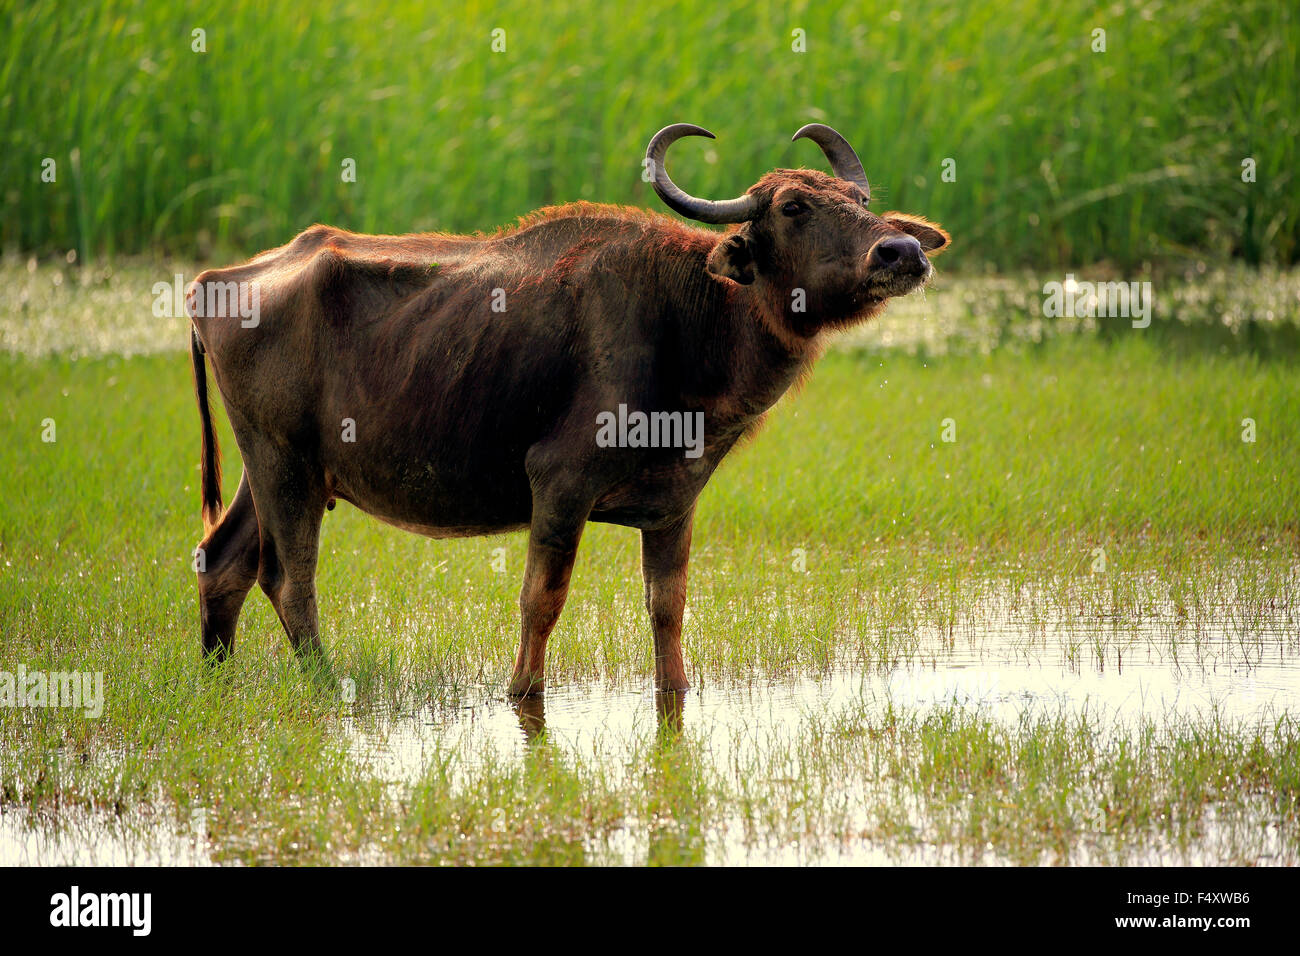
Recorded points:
(741, 722)
(1002, 671)
(81, 837)
(610, 722)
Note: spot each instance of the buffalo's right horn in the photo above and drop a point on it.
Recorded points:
(703, 210)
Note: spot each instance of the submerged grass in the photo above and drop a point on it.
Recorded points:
(869, 782)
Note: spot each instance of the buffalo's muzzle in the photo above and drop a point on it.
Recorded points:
(896, 266)
(900, 254)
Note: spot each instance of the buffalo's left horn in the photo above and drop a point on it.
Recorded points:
(844, 161)
(741, 209)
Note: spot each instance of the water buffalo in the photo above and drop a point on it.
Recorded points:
(591, 363)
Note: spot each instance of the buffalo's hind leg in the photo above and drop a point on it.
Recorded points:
(226, 561)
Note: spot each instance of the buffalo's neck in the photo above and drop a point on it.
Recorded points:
(730, 356)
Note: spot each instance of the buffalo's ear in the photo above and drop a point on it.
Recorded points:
(932, 236)
(733, 259)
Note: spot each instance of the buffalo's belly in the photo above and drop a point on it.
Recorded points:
(442, 502)
(437, 499)
(451, 531)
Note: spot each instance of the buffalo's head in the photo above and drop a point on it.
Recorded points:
(806, 238)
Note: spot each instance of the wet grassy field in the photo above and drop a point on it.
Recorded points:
(1068, 635)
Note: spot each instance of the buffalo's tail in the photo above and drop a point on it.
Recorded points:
(211, 455)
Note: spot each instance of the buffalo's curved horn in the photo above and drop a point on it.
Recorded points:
(844, 161)
(741, 209)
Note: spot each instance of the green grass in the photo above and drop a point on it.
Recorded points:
(1063, 155)
(915, 549)
(1118, 448)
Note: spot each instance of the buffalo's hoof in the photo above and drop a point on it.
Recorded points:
(525, 685)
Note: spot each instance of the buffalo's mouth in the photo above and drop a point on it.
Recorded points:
(896, 280)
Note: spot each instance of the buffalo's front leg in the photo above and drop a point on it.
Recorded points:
(290, 499)
(664, 555)
(552, 543)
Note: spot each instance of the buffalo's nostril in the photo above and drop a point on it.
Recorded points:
(897, 251)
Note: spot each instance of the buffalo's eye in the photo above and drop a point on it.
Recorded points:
(794, 208)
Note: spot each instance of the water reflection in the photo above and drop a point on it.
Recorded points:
(531, 712)
(670, 706)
